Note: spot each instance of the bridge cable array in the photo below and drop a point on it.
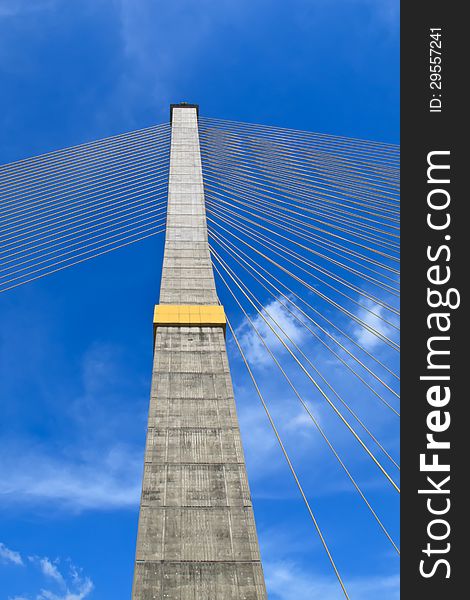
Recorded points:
(304, 237)
(289, 462)
(69, 206)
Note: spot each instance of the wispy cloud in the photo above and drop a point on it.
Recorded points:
(99, 482)
(283, 323)
(367, 338)
(72, 585)
(49, 569)
(288, 581)
(10, 556)
(76, 587)
(82, 467)
(296, 426)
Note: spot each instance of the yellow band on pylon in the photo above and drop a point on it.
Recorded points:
(189, 315)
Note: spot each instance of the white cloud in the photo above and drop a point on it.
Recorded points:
(81, 588)
(72, 586)
(300, 423)
(108, 481)
(10, 556)
(263, 454)
(287, 581)
(88, 470)
(49, 569)
(253, 346)
(365, 337)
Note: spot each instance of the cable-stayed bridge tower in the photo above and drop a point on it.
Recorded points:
(302, 231)
(196, 536)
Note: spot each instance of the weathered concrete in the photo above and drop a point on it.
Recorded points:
(197, 538)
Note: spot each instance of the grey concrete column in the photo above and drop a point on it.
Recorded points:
(196, 538)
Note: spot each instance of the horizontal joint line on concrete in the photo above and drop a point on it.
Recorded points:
(190, 464)
(178, 562)
(210, 507)
(197, 428)
(219, 373)
(178, 399)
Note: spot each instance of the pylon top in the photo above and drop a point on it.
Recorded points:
(183, 105)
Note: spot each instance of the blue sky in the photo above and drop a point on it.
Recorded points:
(75, 348)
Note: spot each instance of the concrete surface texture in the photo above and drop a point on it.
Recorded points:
(196, 537)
